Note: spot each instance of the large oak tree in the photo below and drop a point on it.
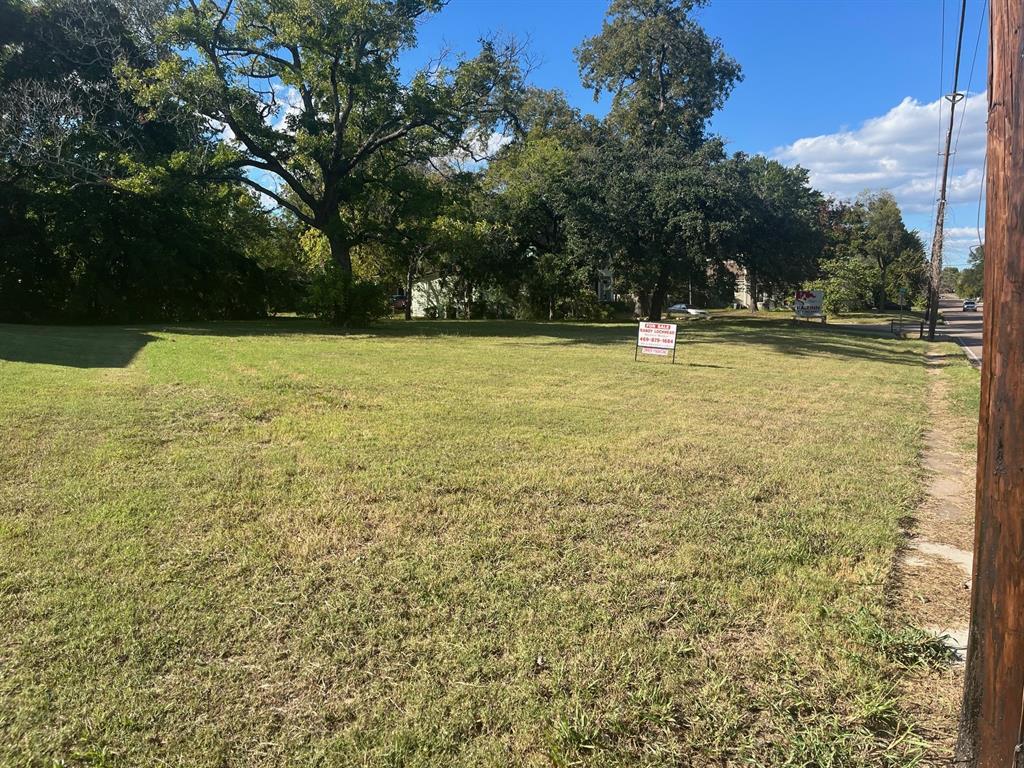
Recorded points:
(311, 92)
(654, 167)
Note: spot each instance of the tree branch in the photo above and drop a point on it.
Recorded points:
(283, 202)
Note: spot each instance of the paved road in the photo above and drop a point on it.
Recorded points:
(964, 327)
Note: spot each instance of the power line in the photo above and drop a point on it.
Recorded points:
(940, 211)
(981, 191)
(938, 139)
(970, 79)
(963, 117)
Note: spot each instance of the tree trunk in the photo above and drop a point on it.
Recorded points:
(409, 274)
(659, 295)
(641, 303)
(342, 259)
(340, 254)
(657, 302)
(752, 287)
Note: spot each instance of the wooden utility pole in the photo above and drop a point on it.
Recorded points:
(935, 284)
(990, 727)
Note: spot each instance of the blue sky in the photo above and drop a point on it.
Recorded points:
(850, 90)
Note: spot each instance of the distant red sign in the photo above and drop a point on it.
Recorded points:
(808, 303)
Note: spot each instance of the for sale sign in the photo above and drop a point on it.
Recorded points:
(809, 303)
(656, 339)
(656, 335)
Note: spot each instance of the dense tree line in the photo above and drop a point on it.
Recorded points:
(870, 258)
(970, 281)
(96, 223)
(230, 158)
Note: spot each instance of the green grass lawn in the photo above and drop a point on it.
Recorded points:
(454, 544)
(963, 393)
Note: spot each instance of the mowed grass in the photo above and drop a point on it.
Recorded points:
(453, 544)
(963, 392)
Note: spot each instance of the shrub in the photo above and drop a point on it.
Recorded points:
(337, 298)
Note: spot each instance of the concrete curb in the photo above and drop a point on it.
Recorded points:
(972, 358)
(969, 353)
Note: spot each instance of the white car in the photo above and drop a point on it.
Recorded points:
(683, 309)
(970, 306)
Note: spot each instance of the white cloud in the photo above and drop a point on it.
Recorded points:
(227, 135)
(960, 240)
(475, 152)
(289, 102)
(898, 151)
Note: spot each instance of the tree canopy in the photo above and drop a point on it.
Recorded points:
(667, 76)
(310, 92)
(229, 158)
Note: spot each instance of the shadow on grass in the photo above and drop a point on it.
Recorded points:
(107, 346)
(72, 346)
(570, 332)
(810, 339)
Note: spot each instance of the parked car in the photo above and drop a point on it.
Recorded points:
(970, 306)
(398, 303)
(683, 309)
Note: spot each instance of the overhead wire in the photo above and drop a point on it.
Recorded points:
(963, 117)
(942, 92)
(970, 76)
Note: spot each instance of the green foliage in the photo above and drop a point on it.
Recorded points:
(351, 112)
(651, 192)
(99, 221)
(123, 198)
(101, 254)
(847, 284)
(666, 74)
(971, 281)
(538, 252)
(773, 229)
(897, 252)
(949, 278)
(870, 257)
(338, 298)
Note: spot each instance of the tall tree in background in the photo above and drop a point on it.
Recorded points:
(774, 223)
(886, 239)
(869, 255)
(96, 221)
(971, 280)
(658, 214)
(310, 92)
(949, 278)
(667, 77)
(535, 187)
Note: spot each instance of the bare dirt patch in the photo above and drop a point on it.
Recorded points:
(933, 572)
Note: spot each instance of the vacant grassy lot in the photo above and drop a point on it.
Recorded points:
(474, 544)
